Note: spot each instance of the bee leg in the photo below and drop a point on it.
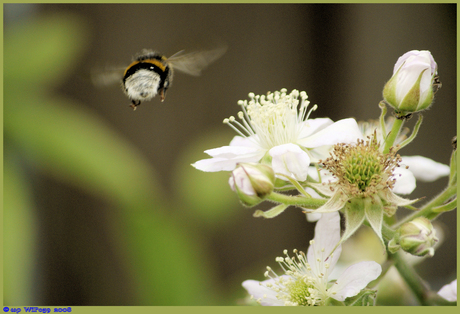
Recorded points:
(134, 104)
(162, 94)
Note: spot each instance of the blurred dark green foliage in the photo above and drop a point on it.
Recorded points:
(57, 136)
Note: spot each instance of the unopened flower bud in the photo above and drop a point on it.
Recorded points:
(412, 86)
(252, 182)
(418, 237)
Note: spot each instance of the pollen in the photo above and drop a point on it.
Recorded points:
(362, 169)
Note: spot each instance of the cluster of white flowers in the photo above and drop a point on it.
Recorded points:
(308, 280)
(344, 166)
(276, 127)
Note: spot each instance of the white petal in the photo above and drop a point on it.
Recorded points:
(313, 217)
(320, 153)
(313, 173)
(226, 157)
(267, 296)
(425, 169)
(290, 160)
(314, 125)
(327, 235)
(231, 151)
(226, 164)
(342, 131)
(424, 55)
(354, 279)
(449, 291)
(410, 66)
(242, 181)
(243, 141)
(405, 181)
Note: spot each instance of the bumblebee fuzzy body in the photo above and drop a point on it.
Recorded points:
(150, 74)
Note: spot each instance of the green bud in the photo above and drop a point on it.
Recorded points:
(412, 86)
(418, 237)
(252, 182)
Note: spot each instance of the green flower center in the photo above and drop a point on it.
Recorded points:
(302, 293)
(361, 169)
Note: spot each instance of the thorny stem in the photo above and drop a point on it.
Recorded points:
(311, 203)
(426, 210)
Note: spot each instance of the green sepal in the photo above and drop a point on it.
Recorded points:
(263, 181)
(446, 207)
(373, 209)
(282, 185)
(296, 184)
(412, 98)
(354, 217)
(389, 91)
(364, 298)
(411, 102)
(334, 302)
(271, 213)
(266, 160)
(247, 200)
(393, 246)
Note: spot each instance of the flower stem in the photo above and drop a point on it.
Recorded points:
(302, 201)
(427, 209)
(411, 278)
(389, 141)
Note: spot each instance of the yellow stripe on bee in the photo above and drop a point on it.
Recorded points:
(156, 62)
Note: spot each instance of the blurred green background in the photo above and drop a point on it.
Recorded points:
(101, 205)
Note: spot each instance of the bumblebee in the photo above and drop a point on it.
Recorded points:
(151, 73)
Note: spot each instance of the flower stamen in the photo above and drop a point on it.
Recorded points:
(277, 118)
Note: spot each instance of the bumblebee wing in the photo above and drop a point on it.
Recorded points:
(107, 76)
(194, 62)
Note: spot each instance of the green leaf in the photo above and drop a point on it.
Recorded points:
(42, 51)
(167, 261)
(20, 234)
(74, 145)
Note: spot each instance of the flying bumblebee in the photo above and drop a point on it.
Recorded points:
(151, 73)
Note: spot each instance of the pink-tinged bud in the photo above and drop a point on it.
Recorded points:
(252, 182)
(418, 237)
(414, 82)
